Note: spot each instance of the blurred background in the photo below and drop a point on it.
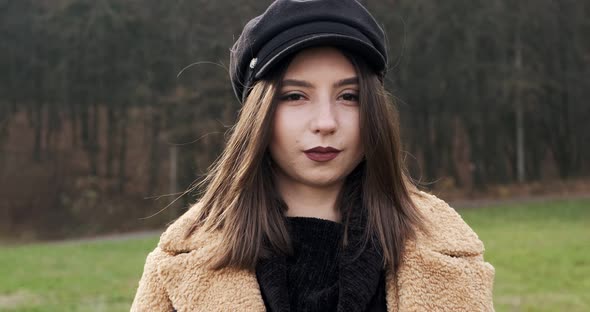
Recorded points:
(110, 110)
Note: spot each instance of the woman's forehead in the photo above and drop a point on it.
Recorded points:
(306, 84)
(322, 61)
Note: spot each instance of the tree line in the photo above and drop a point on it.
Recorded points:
(488, 91)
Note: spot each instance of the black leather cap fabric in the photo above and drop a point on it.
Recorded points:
(287, 26)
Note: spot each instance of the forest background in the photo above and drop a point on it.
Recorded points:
(111, 110)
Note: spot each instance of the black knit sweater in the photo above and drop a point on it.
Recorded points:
(321, 275)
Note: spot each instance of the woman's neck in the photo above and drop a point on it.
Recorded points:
(309, 201)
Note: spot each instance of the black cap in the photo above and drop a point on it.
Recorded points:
(288, 26)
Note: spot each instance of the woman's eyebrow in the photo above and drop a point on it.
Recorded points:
(346, 82)
(306, 84)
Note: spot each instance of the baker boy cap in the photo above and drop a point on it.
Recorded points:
(287, 26)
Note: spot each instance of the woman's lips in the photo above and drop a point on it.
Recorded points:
(322, 154)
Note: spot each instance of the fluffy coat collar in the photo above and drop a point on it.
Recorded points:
(442, 272)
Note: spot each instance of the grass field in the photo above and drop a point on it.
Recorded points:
(541, 253)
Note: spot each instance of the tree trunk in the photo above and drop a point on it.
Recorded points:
(173, 173)
(111, 134)
(520, 156)
(122, 149)
(93, 141)
(38, 124)
(154, 151)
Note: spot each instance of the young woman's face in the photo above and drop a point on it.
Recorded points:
(315, 135)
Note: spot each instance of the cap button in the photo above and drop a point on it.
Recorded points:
(253, 62)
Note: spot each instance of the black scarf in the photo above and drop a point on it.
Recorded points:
(361, 282)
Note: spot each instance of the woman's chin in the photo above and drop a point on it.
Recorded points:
(324, 181)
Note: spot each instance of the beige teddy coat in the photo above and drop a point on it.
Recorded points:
(444, 272)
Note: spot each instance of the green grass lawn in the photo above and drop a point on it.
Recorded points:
(94, 276)
(541, 253)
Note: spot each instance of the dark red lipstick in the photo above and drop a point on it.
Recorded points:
(322, 154)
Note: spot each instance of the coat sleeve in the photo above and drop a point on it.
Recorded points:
(446, 271)
(151, 295)
(471, 284)
(441, 281)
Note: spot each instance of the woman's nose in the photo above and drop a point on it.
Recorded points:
(324, 121)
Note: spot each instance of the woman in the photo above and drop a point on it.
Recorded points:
(309, 207)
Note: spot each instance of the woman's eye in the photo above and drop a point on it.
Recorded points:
(351, 97)
(292, 97)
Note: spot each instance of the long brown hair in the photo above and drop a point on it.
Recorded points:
(240, 201)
